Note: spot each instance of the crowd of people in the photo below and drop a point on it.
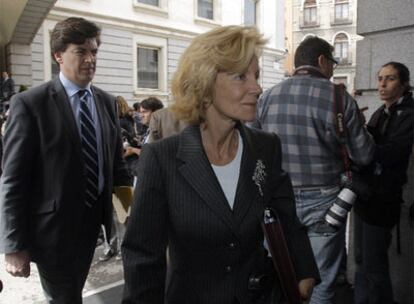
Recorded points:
(204, 170)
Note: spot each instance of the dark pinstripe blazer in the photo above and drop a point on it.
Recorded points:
(213, 249)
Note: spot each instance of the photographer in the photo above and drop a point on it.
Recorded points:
(300, 111)
(392, 127)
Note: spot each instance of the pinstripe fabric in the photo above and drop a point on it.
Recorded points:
(213, 250)
(89, 150)
(300, 111)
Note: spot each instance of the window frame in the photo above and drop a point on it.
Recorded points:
(156, 5)
(339, 41)
(216, 14)
(160, 44)
(256, 9)
(310, 9)
(152, 50)
(341, 3)
(161, 9)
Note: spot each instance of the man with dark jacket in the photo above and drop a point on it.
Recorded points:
(62, 156)
(7, 86)
(392, 126)
(300, 111)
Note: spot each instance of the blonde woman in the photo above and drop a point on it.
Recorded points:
(202, 192)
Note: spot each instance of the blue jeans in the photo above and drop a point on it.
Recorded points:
(372, 277)
(311, 206)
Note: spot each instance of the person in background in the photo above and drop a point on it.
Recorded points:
(131, 144)
(164, 124)
(62, 158)
(146, 108)
(112, 244)
(6, 91)
(300, 111)
(7, 86)
(140, 128)
(203, 191)
(392, 126)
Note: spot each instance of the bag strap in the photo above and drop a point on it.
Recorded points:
(339, 110)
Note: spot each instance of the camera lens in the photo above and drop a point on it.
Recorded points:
(338, 212)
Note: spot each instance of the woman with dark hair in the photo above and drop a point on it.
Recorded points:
(392, 127)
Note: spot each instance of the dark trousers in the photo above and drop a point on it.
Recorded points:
(372, 278)
(63, 284)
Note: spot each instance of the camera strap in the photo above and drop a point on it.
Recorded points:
(339, 110)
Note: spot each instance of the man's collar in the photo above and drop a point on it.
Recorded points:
(70, 87)
(309, 70)
(392, 107)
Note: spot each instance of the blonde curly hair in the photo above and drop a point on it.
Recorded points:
(224, 49)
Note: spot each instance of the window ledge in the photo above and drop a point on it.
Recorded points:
(205, 21)
(150, 92)
(150, 9)
(341, 21)
(310, 25)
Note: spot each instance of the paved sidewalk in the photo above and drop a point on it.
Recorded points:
(102, 276)
(103, 286)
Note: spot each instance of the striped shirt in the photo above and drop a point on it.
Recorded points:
(300, 110)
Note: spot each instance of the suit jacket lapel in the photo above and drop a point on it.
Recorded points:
(199, 174)
(247, 191)
(62, 103)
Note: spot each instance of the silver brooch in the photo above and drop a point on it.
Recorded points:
(259, 175)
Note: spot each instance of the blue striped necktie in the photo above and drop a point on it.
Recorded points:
(89, 149)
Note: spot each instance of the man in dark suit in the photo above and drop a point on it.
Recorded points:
(62, 157)
(7, 86)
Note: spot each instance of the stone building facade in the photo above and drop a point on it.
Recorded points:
(142, 40)
(332, 20)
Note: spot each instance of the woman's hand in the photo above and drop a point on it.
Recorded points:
(305, 288)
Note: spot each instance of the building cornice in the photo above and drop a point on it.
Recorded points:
(137, 27)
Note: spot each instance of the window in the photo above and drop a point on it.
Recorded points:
(310, 12)
(147, 68)
(250, 8)
(150, 2)
(150, 65)
(341, 10)
(341, 44)
(205, 9)
(152, 7)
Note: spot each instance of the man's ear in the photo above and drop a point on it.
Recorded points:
(321, 61)
(58, 57)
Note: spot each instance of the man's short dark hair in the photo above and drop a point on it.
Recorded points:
(73, 30)
(310, 49)
(152, 104)
(136, 106)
